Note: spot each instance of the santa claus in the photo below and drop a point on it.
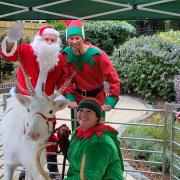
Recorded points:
(41, 61)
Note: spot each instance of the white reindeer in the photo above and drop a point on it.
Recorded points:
(24, 131)
(26, 125)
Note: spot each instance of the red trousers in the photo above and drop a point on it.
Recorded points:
(53, 138)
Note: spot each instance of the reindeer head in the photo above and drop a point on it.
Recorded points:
(40, 109)
(40, 114)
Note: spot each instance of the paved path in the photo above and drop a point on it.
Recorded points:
(114, 116)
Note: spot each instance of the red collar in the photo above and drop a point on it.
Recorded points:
(94, 130)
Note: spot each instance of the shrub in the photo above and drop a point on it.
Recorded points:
(139, 132)
(57, 24)
(147, 66)
(154, 133)
(106, 34)
(8, 69)
(158, 158)
(146, 147)
(176, 171)
(171, 37)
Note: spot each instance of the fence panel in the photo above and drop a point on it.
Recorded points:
(138, 173)
(175, 143)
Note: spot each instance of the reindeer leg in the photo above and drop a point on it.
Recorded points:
(28, 176)
(9, 171)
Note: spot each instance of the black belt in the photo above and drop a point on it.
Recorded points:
(91, 93)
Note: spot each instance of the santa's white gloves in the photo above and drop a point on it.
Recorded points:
(15, 32)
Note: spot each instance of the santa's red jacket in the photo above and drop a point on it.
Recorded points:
(55, 78)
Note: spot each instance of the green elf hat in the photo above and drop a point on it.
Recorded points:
(74, 27)
(90, 103)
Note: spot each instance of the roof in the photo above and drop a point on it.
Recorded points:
(89, 9)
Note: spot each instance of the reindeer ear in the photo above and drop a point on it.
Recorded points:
(24, 100)
(60, 102)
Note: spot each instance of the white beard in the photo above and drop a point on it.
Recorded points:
(47, 55)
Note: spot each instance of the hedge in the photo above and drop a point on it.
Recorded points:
(147, 66)
(106, 34)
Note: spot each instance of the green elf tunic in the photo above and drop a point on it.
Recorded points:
(95, 155)
(92, 69)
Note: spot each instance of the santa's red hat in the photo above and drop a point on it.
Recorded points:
(74, 27)
(48, 30)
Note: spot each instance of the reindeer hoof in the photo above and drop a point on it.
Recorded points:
(22, 175)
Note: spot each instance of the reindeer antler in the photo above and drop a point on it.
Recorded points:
(27, 78)
(24, 90)
(61, 90)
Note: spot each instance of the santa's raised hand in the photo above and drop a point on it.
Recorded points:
(15, 33)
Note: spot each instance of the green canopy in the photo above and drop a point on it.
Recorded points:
(89, 9)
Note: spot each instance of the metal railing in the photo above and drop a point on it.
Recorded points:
(174, 144)
(138, 173)
(5, 87)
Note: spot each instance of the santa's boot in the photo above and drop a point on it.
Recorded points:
(53, 167)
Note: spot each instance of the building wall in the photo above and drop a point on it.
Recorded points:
(29, 28)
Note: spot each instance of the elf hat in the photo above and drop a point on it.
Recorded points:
(48, 30)
(90, 103)
(74, 27)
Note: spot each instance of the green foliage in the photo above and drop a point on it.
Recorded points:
(158, 158)
(8, 69)
(172, 37)
(139, 132)
(153, 133)
(57, 25)
(146, 147)
(176, 171)
(106, 34)
(147, 66)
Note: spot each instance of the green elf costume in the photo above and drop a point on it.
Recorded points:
(92, 68)
(94, 154)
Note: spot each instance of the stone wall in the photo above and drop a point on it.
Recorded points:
(30, 28)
